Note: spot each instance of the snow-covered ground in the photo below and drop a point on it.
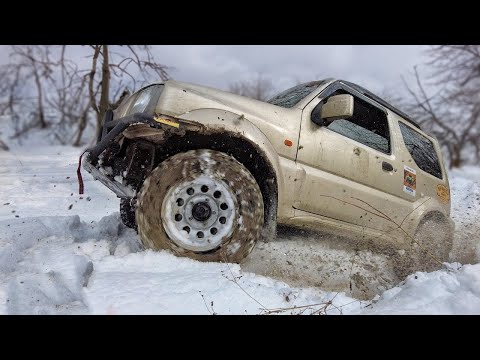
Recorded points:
(61, 253)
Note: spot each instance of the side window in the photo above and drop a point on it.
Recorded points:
(368, 126)
(422, 150)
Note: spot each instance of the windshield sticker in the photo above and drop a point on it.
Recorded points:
(409, 180)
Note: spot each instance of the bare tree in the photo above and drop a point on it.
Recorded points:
(452, 111)
(259, 88)
(3, 145)
(30, 67)
(457, 67)
(46, 86)
(119, 65)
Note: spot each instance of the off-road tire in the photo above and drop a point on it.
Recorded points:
(156, 213)
(433, 243)
(127, 213)
(429, 248)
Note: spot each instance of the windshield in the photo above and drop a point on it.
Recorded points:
(291, 97)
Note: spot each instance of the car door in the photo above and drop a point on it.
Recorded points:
(349, 168)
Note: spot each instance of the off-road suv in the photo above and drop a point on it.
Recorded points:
(206, 173)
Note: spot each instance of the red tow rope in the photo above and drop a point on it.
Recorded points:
(79, 174)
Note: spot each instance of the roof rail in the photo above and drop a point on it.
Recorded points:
(381, 102)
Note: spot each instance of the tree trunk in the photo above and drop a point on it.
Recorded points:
(456, 157)
(476, 144)
(41, 112)
(3, 146)
(105, 87)
(82, 124)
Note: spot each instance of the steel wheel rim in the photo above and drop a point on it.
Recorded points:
(199, 214)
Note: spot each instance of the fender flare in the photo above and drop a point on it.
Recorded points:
(413, 220)
(226, 121)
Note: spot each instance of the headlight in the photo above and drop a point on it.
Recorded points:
(144, 101)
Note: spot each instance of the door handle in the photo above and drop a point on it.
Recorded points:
(387, 166)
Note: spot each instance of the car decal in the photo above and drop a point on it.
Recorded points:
(409, 180)
(443, 193)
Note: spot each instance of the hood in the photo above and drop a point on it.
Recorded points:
(179, 98)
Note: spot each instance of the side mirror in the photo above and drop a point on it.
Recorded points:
(337, 107)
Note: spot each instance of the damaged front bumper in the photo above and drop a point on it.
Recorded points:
(110, 130)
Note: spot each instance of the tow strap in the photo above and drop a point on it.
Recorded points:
(79, 174)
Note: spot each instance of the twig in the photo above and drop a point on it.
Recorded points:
(386, 217)
(203, 298)
(235, 281)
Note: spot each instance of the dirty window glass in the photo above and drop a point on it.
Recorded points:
(368, 126)
(422, 151)
(289, 98)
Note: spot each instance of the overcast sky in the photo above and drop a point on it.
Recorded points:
(376, 67)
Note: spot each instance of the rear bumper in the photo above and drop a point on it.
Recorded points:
(110, 130)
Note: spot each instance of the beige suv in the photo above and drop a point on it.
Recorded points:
(206, 173)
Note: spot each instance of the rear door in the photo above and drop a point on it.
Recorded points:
(350, 169)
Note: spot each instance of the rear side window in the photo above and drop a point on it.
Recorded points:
(422, 150)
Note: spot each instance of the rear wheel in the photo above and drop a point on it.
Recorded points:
(202, 204)
(433, 243)
(428, 249)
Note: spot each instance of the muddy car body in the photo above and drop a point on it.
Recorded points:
(326, 155)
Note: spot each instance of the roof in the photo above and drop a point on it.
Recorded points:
(382, 102)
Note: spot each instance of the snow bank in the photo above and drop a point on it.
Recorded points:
(42, 270)
(439, 292)
(60, 265)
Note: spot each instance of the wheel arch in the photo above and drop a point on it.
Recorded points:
(440, 218)
(434, 215)
(225, 132)
(428, 209)
(244, 151)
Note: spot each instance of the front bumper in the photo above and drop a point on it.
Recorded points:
(110, 130)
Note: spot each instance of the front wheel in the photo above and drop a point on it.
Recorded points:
(202, 204)
(127, 213)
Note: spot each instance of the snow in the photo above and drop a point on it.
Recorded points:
(61, 253)
(38, 181)
(60, 265)
(465, 188)
(439, 292)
